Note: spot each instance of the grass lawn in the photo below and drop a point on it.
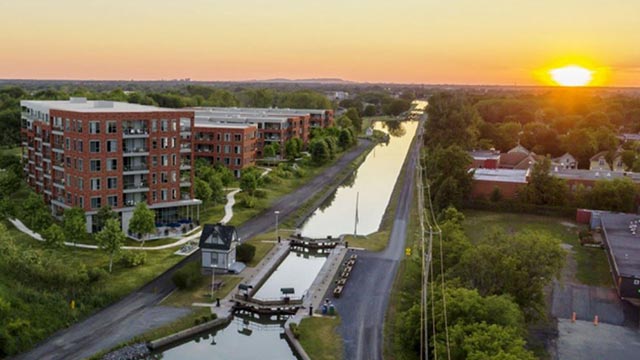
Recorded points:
(16, 151)
(376, 241)
(319, 338)
(202, 293)
(264, 243)
(592, 266)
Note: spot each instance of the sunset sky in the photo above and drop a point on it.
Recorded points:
(406, 41)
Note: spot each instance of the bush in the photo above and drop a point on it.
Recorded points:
(96, 274)
(245, 252)
(132, 259)
(248, 202)
(261, 194)
(188, 277)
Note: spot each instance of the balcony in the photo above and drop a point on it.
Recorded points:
(135, 151)
(132, 133)
(58, 183)
(131, 200)
(132, 169)
(185, 129)
(135, 187)
(185, 166)
(185, 148)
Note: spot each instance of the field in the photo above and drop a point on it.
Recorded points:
(592, 267)
(319, 338)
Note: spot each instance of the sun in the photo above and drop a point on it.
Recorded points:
(571, 75)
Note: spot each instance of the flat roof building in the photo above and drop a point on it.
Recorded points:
(508, 181)
(88, 154)
(622, 242)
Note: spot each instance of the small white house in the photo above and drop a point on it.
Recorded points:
(218, 244)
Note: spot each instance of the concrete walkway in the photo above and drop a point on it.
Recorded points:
(228, 208)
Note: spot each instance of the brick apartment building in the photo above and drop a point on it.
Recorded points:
(233, 145)
(273, 125)
(88, 154)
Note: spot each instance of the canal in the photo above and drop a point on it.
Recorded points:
(259, 338)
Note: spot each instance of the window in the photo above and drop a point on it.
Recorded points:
(174, 177)
(154, 144)
(227, 137)
(173, 142)
(174, 159)
(95, 184)
(68, 161)
(96, 202)
(79, 146)
(112, 164)
(95, 165)
(226, 161)
(80, 183)
(112, 146)
(237, 137)
(154, 125)
(238, 161)
(94, 127)
(163, 194)
(67, 142)
(81, 201)
(112, 183)
(163, 177)
(227, 149)
(164, 143)
(154, 179)
(79, 165)
(94, 146)
(79, 126)
(154, 161)
(111, 127)
(237, 149)
(154, 196)
(165, 160)
(174, 126)
(164, 125)
(112, 201)
(174, 194)
(67, 124)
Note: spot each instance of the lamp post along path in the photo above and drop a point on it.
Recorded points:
(213, 279)
(277, 233)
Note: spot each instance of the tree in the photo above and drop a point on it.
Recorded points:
(344, 121)
(110, 239)
(54, 236)
(481, 341)
(202, 190)
(143, 221)
(612, 195)
(293, 147)
(104, 213)
(269, 151)
(356, 121)
(74, 225)
(245, 252)
(519, 265)
(544, 188)
(452, 121)
(370, 110)
(319, 151)
(346, 139)
(9, 183)
(249, 182)
(448, 174)
(396, 107)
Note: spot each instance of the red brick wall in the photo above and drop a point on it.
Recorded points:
(483, 189)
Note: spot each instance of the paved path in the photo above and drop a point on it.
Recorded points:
(582, 340)
(365, 298)
(92, 335)
(228, 208)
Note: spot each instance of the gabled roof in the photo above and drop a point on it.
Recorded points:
(514, 159)
(565, 155)
(217, 237)
(519, 149)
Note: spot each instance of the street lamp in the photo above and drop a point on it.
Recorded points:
(277, 234)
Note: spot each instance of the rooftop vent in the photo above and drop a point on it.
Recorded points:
(102, 104)
(77, 100)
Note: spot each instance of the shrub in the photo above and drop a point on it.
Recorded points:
(188, 277)
(96, 274)
(260, 194)
(132, 259)
(248, 202)
(245, 252)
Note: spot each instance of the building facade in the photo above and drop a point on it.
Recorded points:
(232, 145)
(89, 154)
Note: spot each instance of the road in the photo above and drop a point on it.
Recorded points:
(364, 302)
(137, 313)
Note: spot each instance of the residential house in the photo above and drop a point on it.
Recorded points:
(566, 161)
(599, 162)
(218, 245)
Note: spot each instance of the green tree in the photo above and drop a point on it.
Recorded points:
(54, 236)
(319, 151)
(370, 110)
(356, 121)
(613, 195)
(143, 221)
(344, 121)
(269, 151)
(202, 190)
(249, 182)
(292, 148)
(452, 121)
(482, 341)
(110, 239)
(519, 265)
(104, 213)
(544, 188)
(74, 225)
(449, 177)
(346, 139)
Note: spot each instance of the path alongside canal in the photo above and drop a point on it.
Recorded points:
(136, 312)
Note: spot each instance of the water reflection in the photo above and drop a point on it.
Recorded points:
(395, 128)
(297, 271)
(247, 337)
(374, 181)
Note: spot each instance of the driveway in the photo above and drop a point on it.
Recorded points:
(137, 313)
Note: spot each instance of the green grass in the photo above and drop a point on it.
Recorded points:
(202, 293)
(592, 266)
(264, 243)
(16, 151)
(319, 338)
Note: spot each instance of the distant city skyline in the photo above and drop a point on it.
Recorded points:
(408, 41)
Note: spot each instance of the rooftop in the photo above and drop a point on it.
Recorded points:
(284, 111)
(484, 154)
(222, 125)
(204, 117)
(593, 175)
(623, 244)
(501, 175)
(84, 105)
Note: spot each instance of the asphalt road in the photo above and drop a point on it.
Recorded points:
(137, 313)
(364, 301)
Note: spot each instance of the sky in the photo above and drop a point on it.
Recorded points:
(504, 42)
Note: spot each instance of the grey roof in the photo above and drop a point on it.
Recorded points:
(282, 111)
(623, 245)
(217, 237)
(593, 175)
(84, 105)
(501, 175)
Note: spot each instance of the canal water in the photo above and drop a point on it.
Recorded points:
(374, 181)
(297, 271)
(251, 338)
